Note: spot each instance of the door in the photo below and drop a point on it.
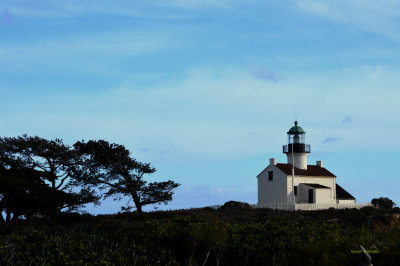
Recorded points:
(310, 196)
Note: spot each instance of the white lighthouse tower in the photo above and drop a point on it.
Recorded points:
(296, 150)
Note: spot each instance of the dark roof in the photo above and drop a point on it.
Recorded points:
(312, 170)
(342, 194)
(296, 130)
(315, 185)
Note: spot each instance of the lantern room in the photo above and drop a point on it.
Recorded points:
(296, 140)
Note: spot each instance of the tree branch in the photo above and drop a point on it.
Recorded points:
(110, 184)
(62, 182)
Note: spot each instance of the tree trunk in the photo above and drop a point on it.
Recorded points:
(139, 209)
(137, 202)
(8, 217)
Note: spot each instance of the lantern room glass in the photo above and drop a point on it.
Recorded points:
(296, 138)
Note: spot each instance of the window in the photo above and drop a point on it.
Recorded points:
(295, 190)
(270, 175)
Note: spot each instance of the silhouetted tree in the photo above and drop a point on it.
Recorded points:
(24, 193)
(238, 205)
(50, 156)
(383, 203)
(110, 167)
(53, 158)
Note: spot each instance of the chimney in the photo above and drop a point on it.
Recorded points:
(319, 163)
(272, 161)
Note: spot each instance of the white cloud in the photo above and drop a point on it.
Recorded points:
(151, 9)
(209, 113)
(193, 4)
(380, 17)
(84, 52)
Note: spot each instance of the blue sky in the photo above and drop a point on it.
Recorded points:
(206, 90)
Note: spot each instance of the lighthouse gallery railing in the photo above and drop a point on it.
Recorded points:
(297, 147)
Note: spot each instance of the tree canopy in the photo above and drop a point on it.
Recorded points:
(49, 156)
(110, 167)
(24, 193)
(383, 203)
(54, 161)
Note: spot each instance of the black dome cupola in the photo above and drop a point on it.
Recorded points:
(296, 140)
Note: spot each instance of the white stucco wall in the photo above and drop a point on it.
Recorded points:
(271, 192)
(300, 159)
(346, 201)
(302, 194)
(323, 195)
(279, 190)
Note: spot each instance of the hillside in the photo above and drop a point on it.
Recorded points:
(231, 235)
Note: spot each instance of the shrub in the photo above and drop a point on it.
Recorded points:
(383, 203)
(235, 205)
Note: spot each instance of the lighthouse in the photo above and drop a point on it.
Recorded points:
(297, 185)
(296, 150)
